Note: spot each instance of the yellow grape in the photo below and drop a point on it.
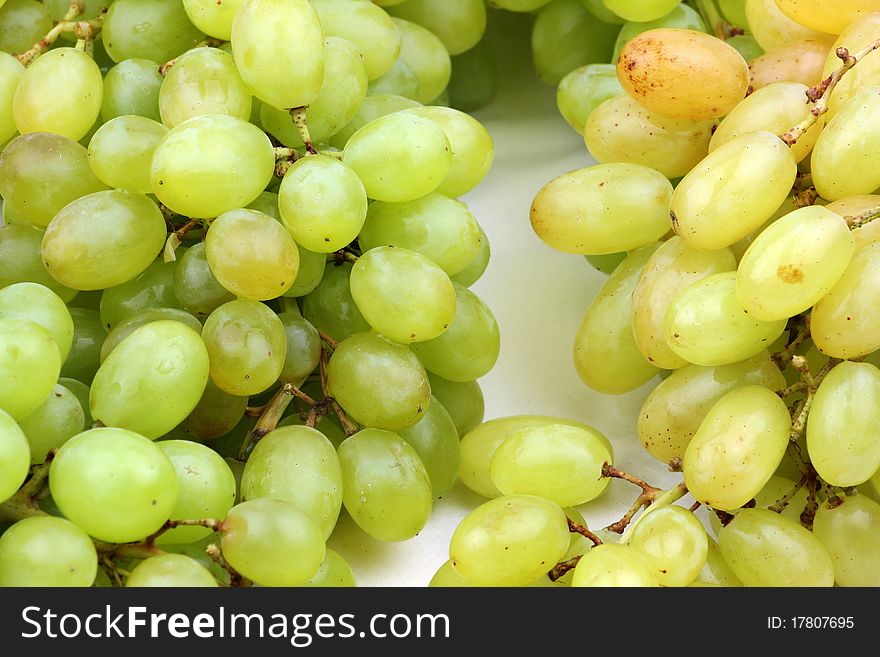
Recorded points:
(850, 532)
(852, 206)
(798, 61)
(11, 71)
(771, 27)
(831, 17)
(861, 34)
(614, 565)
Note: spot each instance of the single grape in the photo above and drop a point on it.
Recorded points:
(330, 307)
(640, 11)
(15, 456)
(47, 551)
(849, 532)
(133, 322)
(29, 366)
(148, 29)
(303, 348)
(89, 335)
(463, 401)
(170, 570)
(674, 542)
(132, 88)
(334, 572)
(58, 419)
(216, 414)
(212, 17)
(11, 71)
(121, 150)
(22, 24)
(196, 286)
(435, 440)
(611, 565)
(39, 304)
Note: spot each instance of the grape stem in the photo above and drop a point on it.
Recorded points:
(563, 567)
(24, 504)
(780, 504)
(298, 114)
(284, 159)
(858, 220)
(271, 415)
(175, 239)
(236, 579)
(577, 528)
(338, 257)
(646, 497)
(326, 339)
(800, 326)
(210, 523)
(661, 500)
(350, 427)
(809, 512)
(84, 30)
(609, 470)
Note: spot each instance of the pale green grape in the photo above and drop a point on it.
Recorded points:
(11, 71)
(148, 29)
(85, 351)
(715, 570)
(29, 366)
(272, 543)
(113, 483)
(426, 57)
(734, 190)
(858, 35)
(463, 401)
(399, 157)
(251, 254)
(121, 150)
(459, 24)
(330, 307)
(737, 448)
(519, 5)
(152, 380)
(606, 355)
(132, 87)
(583, 90)
(853, 206)
(54, 422)
(509, 541)
(606, 208)
(152, 289)
(735, 12)
(303, 348)
(674, 266)
(47, 551)
(362, 361)
(15, 456)
(297, 464)
(367, 26)
(673, 541)
(212, 17)
(558, 462)
(403, 295)
(279, 50)
(334, 572)
(707, 325)
(59, 92)
(20, 255)
(447, 577)
(170, 570)
(216, 414)
(310, 275)
(747, 46)
(435, 440)
(39, 304)
(323, 203)
(477, 266)
(611, 565)
(211, 164)
(22, 24)
(681, 17)
(267, 203)
(844, 423)
(473, 81)
(399, 80)
(606, 263)
(195, 284)
(766, 549)
(40, 173)
(103, 239)
(373, 107)
(850, 533)
(793, 263)
(643, 11)
(206, 488)
(773, 491)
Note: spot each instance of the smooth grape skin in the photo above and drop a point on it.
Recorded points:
(46, 551)
(272, 543)
(386, 489)
(373, 107)
(211, 164)
(435, 440)
(15, 456)
(310, 275)
(850, 532)
(29, 366)
(463, 401)
(330, 307)
(858, 35)
(379, 383)
(11, 71)
(817, 15)
(612, 565)
(798, 61)
(303, 348)
(195, 284)
(85, 352)
(132, 322)
(39, 304)
(558, 462)
(399, 80)
(121, 150)
(22, 24)
(459, 24)
(641, 12)
(583, 90)
(132, 87)
(737, 448)
(113, 483)
(764, 548)
(509, 541)
(772, 28)
(149, 29)
(674, 542)
(20, 254)
(399, 157)
(681, 17)
(602, 209)
(216, 414)
(56, 420)
(299, 465)
(170, 570)
(334, 572)
(153, 289)
(426, 56)
(212, 17)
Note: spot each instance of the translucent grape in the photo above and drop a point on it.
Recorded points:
(47, 551)
(330, 307)
(463, 401)
(477, 266)
(121, 150)
(85, 351)
(148, 29)
(39, 304)
(850, 533)
(22, 24)
(170, 570)
(29, 366)
(216, 414)
(54, 422)
(435, 440)
(640, 11)
(459, 24)
(851, 206)
(680, 17)
(611, 565)
(771, 27)
(334, 572)
(799, 61)
(20, 254)
(373, 107)
(583, 90)
(151, 289)
(716, 570)
(817, 15)
(132, 87)
(195, 284)
(858, 35)
(11, 71)
(674, 542)
(212, 17)
(303, 348)
(15, 456)
(311, 273)
(399, 80)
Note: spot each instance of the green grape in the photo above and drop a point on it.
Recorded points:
(707, 325)
(477, 266)
(435, 440)
(212, 17)
(251, 254)
(152, 380)
(427, 58)
(327, 425)
(459, 24)
(11, 71)
(747, 46)
(674, 542)
(216, 414)
(365, 359)
(857, 36)
(606, 355)
(132, 87)
(330, 306)
(103, 239)
(868, 233)
(850, 533)
(303, 348)
(620, 130)
(600, 11)
(40, 305)
(602, 209)
(843, 323)
(519, 5)
(134, 321)
(479, 445)
(583, 90)
(771, 27)
(447, 577)
(310, 275)
(81, 391)
(399, 157)
(367, 26)
(610, 565)
(297, 464)
(206, 488)
(463, 401)
(148, 29)
(766, 549)
(735, 12)
(121, 150)
(203, 81)
(399, 80)
(247, 346)
(211, 164)
(113, 483)
(279, 51)
(29, 366)
(715, 570)
(681, 17)
(471, 144)
(402, 294)
(793, 263)
(40, 173)
(640, 11)
(152, 289)
(322, 203)
(22, 24)
(773, 491)
(565, 36)
(674, 266)
(558, 462)
(510, 541)
(59, 418)
(843, 425)
(272, 543)
(15, 456)
(47, 551)
(170, 570)
(267, 203)
(195, 284)
(737, 448)
(606, 263)
(472, 83)
(85, 351)
(334, 572)
(373, 107)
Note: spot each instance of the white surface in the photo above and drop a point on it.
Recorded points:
(539, 297)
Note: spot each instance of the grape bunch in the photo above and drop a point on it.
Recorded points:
(234, 286)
